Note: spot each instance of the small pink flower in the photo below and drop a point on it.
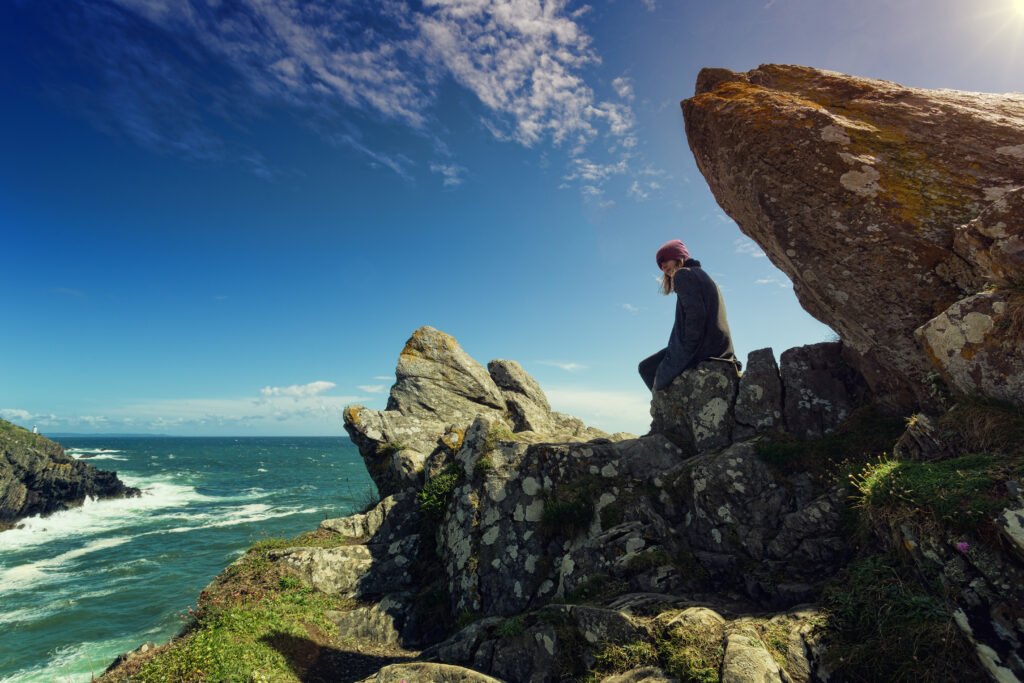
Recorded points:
(963, 546)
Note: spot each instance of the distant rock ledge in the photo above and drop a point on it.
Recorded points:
(38, 478)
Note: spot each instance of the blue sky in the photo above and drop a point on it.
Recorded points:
(227, 217)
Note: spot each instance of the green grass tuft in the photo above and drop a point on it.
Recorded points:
(881, 625)
(433, 498)
(861, 437)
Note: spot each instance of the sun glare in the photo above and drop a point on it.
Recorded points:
(1018, 7)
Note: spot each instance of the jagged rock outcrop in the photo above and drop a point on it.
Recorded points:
(531, 518)
(886, 206)
(712, 406)
(38, 478)
(438, 393)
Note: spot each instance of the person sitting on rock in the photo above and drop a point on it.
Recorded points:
(700, 331)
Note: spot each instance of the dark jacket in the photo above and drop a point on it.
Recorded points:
(700, 330)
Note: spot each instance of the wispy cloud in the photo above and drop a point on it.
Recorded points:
(568, 367)
(387, 378)
(372, 388)
(748, 247)
(299, 390)
(452, 173)
(398, 163)
(525, 62)
(774, 281)
(631, 308)
(275, 408)
(623, 87)
(652, 5)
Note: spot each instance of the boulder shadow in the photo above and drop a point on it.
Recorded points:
(313, 662)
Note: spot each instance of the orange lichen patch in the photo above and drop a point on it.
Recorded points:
(762, 106)
(425, 342)
(453, 439)
(351, 414)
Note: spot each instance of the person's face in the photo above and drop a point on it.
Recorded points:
(670, 267)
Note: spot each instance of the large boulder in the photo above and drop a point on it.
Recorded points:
(856, 189)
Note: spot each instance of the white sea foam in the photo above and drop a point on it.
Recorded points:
(74, 663)
(50, 569)
(95, 517)
(260, 469)
(241, 515)
(103, 456)
(85, 451)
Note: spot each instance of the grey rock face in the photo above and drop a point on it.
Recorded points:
(748, 527)
(747, 660)
(510, 376)
(436, 378)
(821, 389)
(993, 243)
(976, 344)
(759, 399)
(425, 671)
(645, 674)
(440, 390)
(381, 623)
(698, 406)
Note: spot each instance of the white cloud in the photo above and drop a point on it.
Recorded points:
(399, 163)
(384, 377)
(623, 87)
(15, 414)
(747, 246)
(589, 171)
(612, 411)
(526, 62)
(652, 5)
(774, 281)
(372, 388)
(568, 367)
(452, 173)
(298, 390)
(638, 193)
(631, 308)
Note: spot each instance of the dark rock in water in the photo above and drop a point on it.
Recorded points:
(821, 389)
(38, 478)
(858, 190)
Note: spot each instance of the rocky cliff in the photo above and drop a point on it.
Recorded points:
(514, 543)
(896, 212)
(37, 477)
(773, 526)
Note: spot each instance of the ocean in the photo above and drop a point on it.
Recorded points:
(79, 587)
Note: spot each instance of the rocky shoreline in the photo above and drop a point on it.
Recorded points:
(38, 478)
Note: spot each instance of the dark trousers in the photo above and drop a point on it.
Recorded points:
(649, 367)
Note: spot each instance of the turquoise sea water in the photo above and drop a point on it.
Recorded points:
(79, 587)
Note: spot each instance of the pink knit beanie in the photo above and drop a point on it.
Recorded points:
(673, 250)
